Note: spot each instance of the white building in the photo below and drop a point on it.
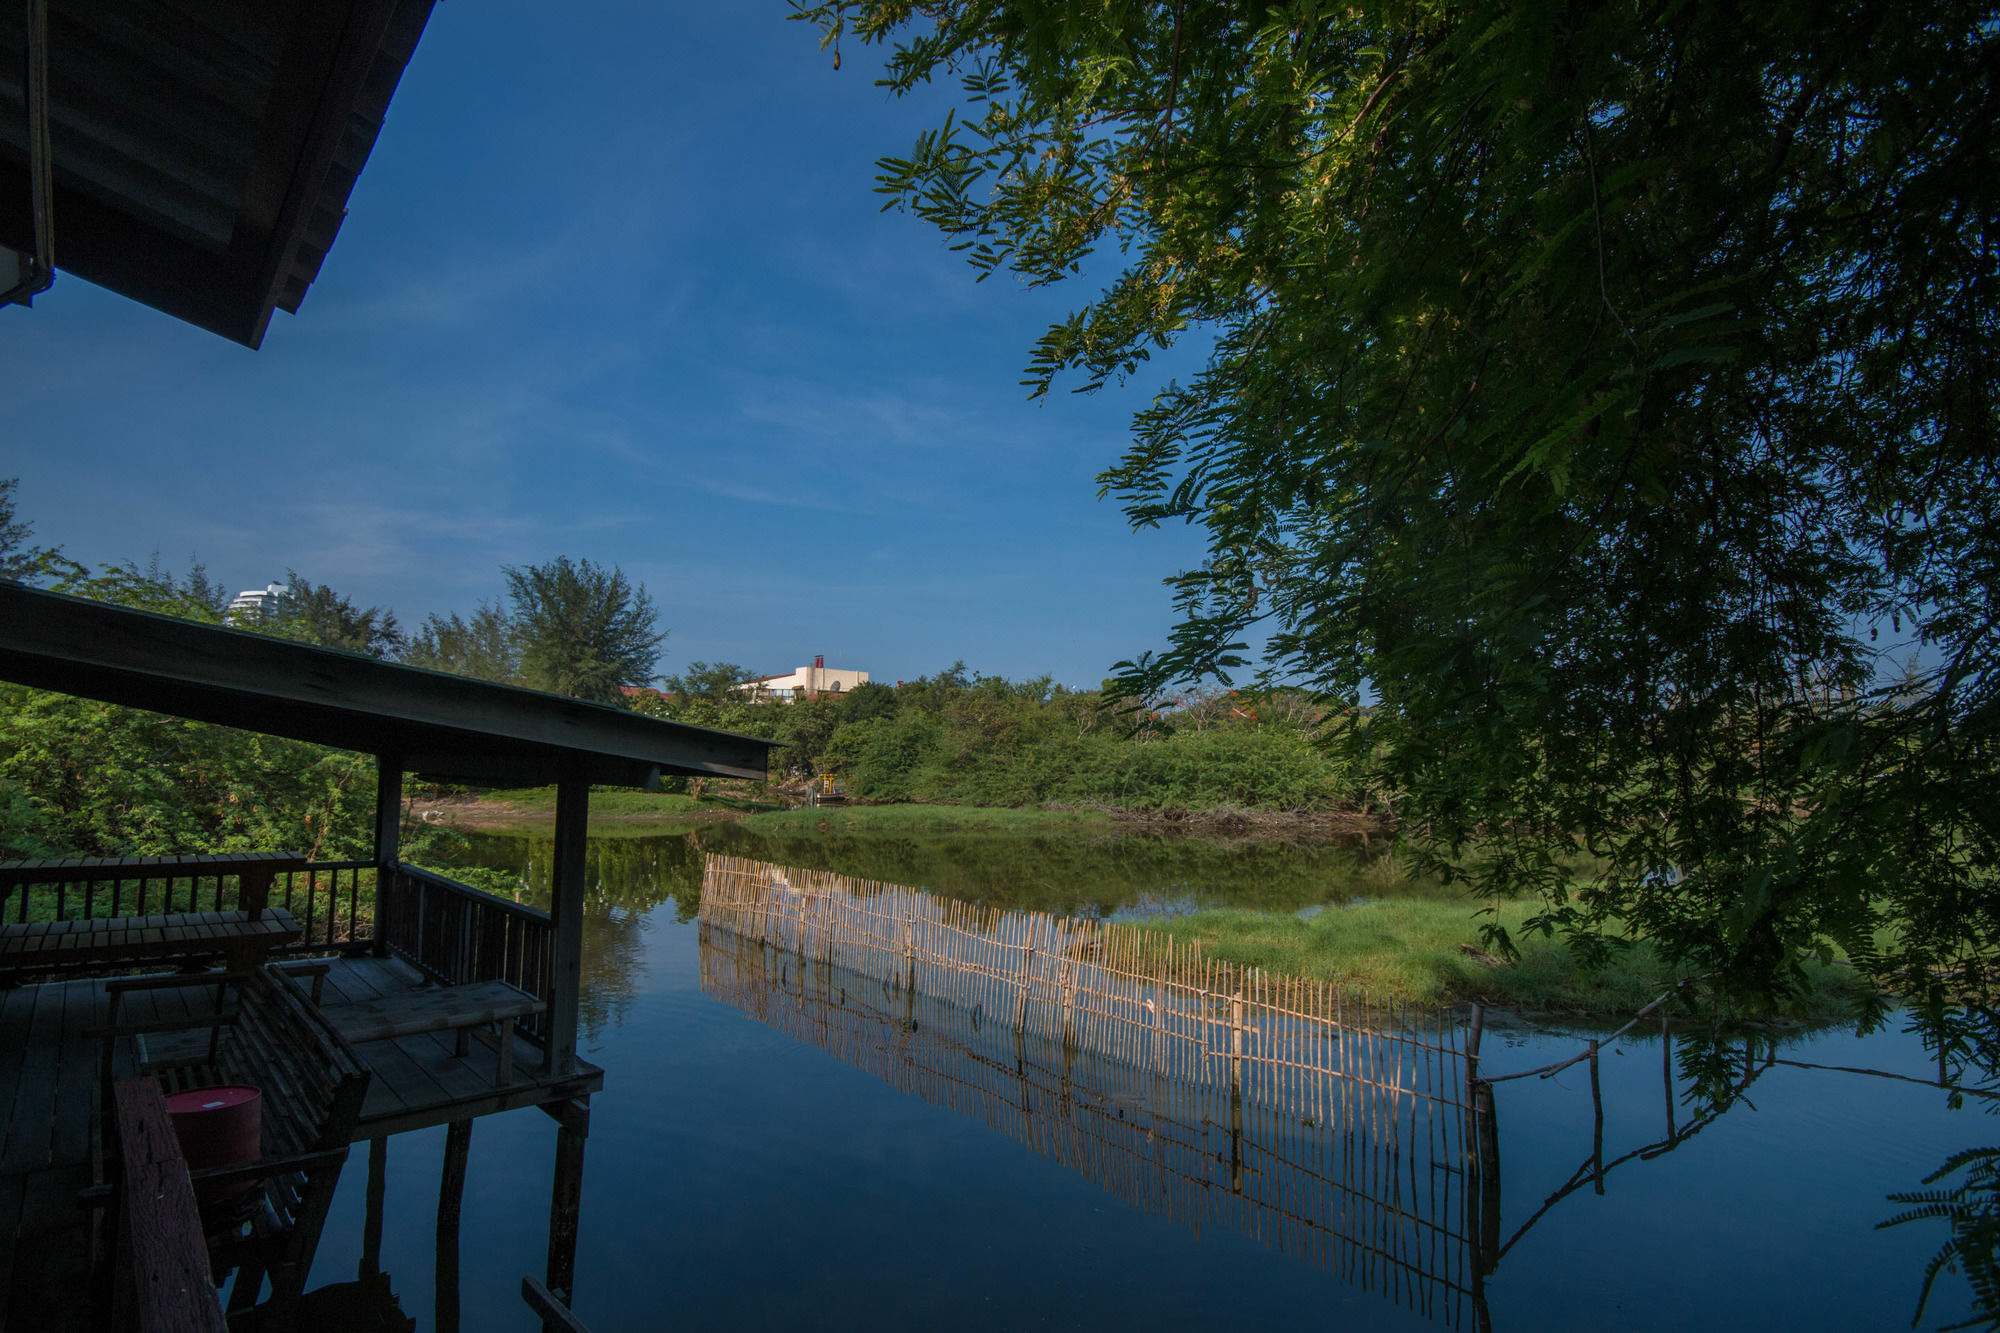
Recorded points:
(253, 603)
(806, 682)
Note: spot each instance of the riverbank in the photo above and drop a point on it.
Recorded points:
(526, 809)
(1300, 896)
(1426, 950)
(533, 809)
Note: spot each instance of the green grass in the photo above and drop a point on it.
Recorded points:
(1411, 949)
(626, 801)
(895, 819)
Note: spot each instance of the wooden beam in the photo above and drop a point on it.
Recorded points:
(160, 1226)
(325, 65)
(566, 884)
(447, 724)
(460, 1108)
(114, 249)
(572, 1113)
(556, 1317)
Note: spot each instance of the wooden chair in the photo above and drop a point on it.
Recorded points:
(266, 1034)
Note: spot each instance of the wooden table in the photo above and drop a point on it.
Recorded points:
(441, 1009)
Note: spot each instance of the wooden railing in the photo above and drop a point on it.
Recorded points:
(332, 901)
(454, 933)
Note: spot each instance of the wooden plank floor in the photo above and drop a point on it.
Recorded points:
(420, 1081)
(49, 1094)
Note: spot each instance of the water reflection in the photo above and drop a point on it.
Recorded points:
(1378, 1197)
(1096, 1125)
(1337, 1133)
(1094, 875)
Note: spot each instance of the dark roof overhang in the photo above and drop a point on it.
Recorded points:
(203, 149)
(443, 726)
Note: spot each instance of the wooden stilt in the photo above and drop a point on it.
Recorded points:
(566, 1203)
(451, 1195)
(371, 1222)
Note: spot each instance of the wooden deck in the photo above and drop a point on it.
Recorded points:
(49, 1093)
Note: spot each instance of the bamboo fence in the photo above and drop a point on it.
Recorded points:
(1337, 1131)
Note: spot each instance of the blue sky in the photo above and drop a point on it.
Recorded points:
(615, 284)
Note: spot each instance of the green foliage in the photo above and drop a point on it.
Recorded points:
(81, 778)
(316, 614)
(964, 739)
(871, 699)
(584, 630)
(1599, 387)
(18, 560)
(482, 646)
(1970, 1208)
(713, 681)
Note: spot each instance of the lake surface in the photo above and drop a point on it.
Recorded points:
(747, 1170)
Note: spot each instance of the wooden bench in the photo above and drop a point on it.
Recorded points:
(163, 1259)
(456, 1009)
(242, 936)
(238, 938)
(267, 1035)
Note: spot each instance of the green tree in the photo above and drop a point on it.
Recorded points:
(314, 613)
(714, 681)
(871, 699)
(18, 560)
(483, 645)
(585, 630)
(1605, 388)
(78, 777)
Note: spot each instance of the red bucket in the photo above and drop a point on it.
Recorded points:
(218, 1127)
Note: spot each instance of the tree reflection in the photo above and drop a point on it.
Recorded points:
(1964, 1193)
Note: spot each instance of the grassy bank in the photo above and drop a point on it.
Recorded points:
(1426, 951)
(891, 820)
(616, 803)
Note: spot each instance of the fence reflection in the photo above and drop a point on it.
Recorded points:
(1337, 1134)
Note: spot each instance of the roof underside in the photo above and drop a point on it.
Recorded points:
(203, 149)
(447, 727)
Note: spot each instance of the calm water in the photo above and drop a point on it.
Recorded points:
(739, 1177)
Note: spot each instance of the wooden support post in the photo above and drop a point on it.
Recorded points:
(565, 1203)
(451, 1195)
(1236, 1041)
(1474, 1030)
(388, 840)
(253, 890)
(1236, 1089)
(1482, 1162)
(1489, 1175)
(1068, 993)
(566, 910)
(1021, 995)
(1159, 1026)
(1596, 1124)
(1667, 1071)
(371, 1223)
